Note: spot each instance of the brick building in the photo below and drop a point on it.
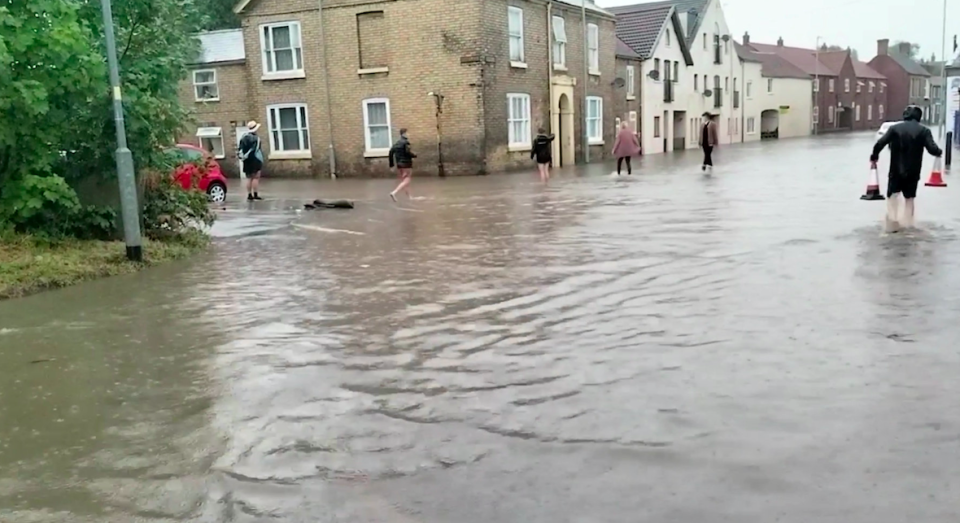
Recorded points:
(626, 103)
(472, 76)
(848, 94)
(908, 81)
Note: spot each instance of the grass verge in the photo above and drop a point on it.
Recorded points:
(29, 265)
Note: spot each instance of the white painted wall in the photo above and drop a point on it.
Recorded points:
(752, 104)
(685, 97)
(791, 98)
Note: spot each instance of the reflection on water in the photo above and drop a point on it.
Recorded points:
(736, 348)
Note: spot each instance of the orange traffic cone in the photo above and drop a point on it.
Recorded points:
(873, 187)
(936, 180)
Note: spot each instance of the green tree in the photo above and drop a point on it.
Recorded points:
(914, 48)
(219, 14)
(50, 69)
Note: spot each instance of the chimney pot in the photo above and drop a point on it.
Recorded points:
(883, 46)
(746, 38)
(780, 42)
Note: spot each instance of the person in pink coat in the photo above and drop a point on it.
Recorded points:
(625, 146)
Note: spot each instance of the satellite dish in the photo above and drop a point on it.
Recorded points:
(618, 82)
(654, 75)
(707, 92)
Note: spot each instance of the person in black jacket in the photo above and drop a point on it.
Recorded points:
(542, 151)
(907, 140)
(402, 158)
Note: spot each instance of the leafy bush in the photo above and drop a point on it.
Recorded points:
(169, 209)
(47, 207)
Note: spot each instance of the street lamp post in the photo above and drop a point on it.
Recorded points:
(130, 209)
(943, 74)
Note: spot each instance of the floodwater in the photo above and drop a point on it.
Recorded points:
(747, 347)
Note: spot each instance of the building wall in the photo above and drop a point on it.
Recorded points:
(230, 111)
(846, 97)
(792, 99)
(898, 85)
(870, 103)
(622, 104)
(826, 99)
(652, 139)
(752, 105)
(729, 119)
(459, 49)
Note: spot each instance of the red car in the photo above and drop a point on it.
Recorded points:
(212, 182)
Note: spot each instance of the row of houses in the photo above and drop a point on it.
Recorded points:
(333, 81)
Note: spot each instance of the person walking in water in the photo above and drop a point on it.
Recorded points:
(251, 155)
(625, 146)
(907, 140)
(708, 140)
(542, 151)
(402, 158)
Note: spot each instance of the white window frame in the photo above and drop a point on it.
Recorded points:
(816, 114)
(859, 86)
(292, 154)
(856, 112)
(598, 101)
(769, 85)
(846, 85)
(515, 33)
(631, 83)
(519, 143)
(831, 114)
(830, 85)
(816, 85)
(870, 112)
(211, 133)
(369, 150)
(882, 86)
(633, 121)
(749, 87)
(880, 112)
(593, 49)
(559, 43)
(751, 125)
(870, 86)
(268, 57)
(196, 92)
(668, 37)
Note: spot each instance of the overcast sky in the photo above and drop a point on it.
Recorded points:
(854, 23)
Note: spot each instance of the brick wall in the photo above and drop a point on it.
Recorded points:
(622, 106)
(232, 110)
(458, 48)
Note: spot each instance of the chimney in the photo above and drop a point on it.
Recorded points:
(904, 48)
(691, 21)
(746, 38)
(780, 42)
(883, 45)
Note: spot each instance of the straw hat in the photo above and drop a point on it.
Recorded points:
(252, 126)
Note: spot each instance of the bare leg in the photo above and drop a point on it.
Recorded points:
(906, 218)
(402, 187)
(546, 171)
(255, 184)
(893, 206)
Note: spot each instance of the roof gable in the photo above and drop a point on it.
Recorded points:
(624, 50)
(641, 26)
(682, 7)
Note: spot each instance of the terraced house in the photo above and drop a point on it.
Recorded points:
(472, 80)
(689, 66)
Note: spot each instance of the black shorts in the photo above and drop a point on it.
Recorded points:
(252, 166)
(907, 185)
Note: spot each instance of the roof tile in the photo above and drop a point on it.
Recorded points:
(639, 26)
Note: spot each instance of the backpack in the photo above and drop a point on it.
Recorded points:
(256, 151)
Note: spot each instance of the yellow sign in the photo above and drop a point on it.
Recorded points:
(784, 109)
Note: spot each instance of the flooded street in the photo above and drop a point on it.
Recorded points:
(668, 347)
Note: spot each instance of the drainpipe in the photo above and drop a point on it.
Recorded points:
(586, 80)
(326, 83)
(550, 69)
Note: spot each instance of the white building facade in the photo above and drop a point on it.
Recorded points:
(691, 48)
